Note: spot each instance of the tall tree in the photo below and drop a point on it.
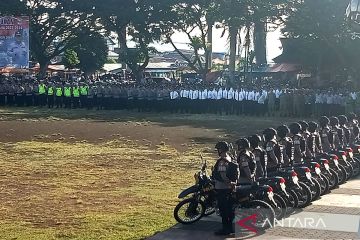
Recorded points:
(141, 19)
(319, 27)
(91, 50)
(195, 19)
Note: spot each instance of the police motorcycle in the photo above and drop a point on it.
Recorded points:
(255, 163)
(327, 136)
(344, 153)
(321, 165)
(199, 200)
(291, 175)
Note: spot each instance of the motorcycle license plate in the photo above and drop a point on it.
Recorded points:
(283, 186)
(295, 180)
(318, 171)
(327, 166)
(271, 197)
(351, 155)
(336, 163)
(308, 175)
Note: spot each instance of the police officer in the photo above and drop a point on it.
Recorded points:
(50, 95)
(273, 150)
(84, 89)
(29, 94)
(223, 186)
(287, 143)
(325, 134)
(314, 140)
(336, 133)
(42, 94)
(246, 161)
(259, 154)
(58, 95)
(2, 93)
(298, 140)
(306, 134)
(353, 125)
(343, 121)
(67, 95)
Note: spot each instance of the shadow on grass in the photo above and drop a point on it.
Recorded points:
(233, 126)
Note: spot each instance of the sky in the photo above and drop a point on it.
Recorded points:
(221, 44)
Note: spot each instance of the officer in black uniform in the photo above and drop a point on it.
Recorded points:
(224, 186)
(306, 134)
(314, 140)
(246, 161)
(353, 125)
(299, 142)
(325, 134)
(273, 150)
(287, 143)
(336, 138)
(343, 121)
(259, 154)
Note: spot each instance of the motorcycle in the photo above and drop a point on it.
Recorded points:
(201, 199)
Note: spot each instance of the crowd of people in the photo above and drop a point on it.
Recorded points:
(259, 156)
(176, 98)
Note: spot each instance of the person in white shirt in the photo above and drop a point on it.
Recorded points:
(219, 101)
(195, 101)
(229, 105)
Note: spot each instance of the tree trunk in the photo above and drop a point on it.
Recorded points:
(260, 43)
(122, 45)
(233, 32)
(43, 68)
(210, 46)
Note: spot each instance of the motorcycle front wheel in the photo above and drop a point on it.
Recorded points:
(189, 211)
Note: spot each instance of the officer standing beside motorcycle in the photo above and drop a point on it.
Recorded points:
(273, 150)
(224, 185)
(246, 161)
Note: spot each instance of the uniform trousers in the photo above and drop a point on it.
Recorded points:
(225, 203)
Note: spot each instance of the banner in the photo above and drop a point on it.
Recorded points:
(14, 42)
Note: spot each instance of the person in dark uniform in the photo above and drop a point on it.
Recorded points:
(298, 140)
(343, 121)
(336, 133)
(273, 150)
(224, 186)
(246, 161)
(287, 144)
(325, 134)
(259, 154)
(2, 93)
(314, 140)
(29, 94)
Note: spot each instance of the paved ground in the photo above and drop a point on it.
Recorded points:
(340, 210)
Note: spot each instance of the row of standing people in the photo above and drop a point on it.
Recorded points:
(220, 100)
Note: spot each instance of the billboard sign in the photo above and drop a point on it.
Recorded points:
(14, 42)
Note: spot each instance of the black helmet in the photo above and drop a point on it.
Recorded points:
(313, 126)
(324, 121)
(334, 121)
(304, 125)
(224, 146)
(243, 143)
(343, 119)
(269, 134)
(295, 128)
(283, 131)
(255, 140)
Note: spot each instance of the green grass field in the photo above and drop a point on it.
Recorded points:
(60, 186)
